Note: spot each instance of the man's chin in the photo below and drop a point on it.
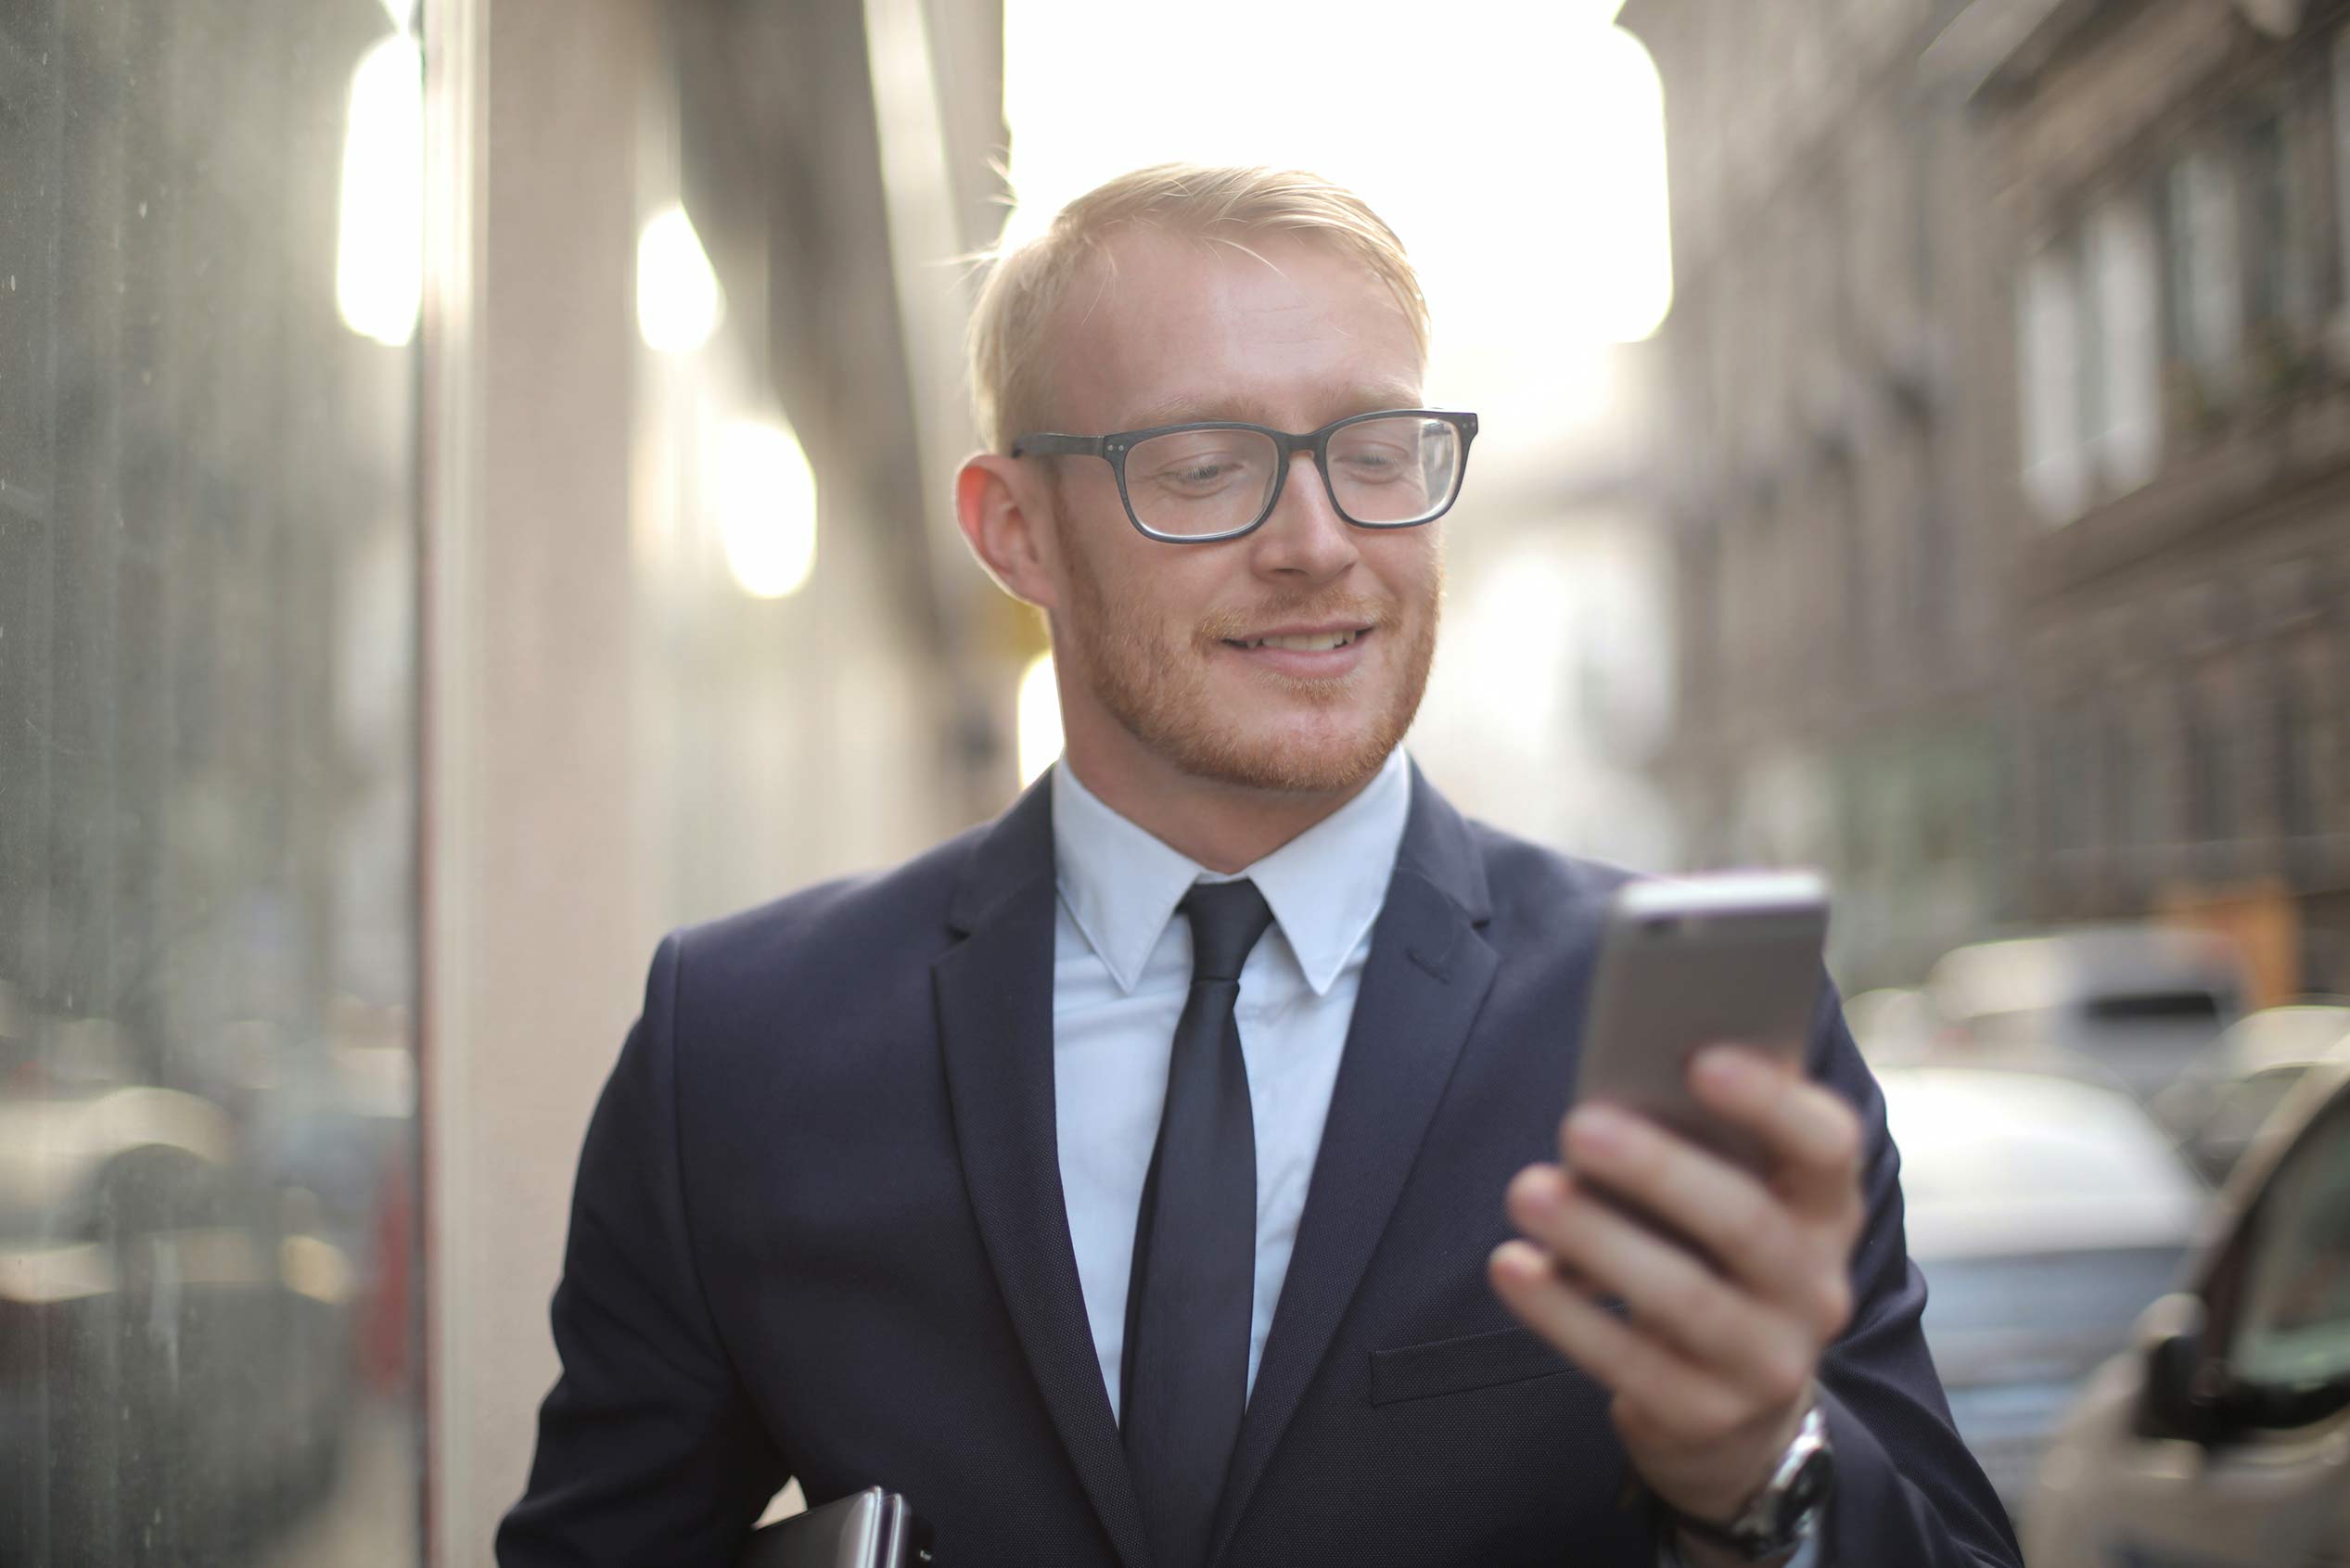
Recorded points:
(1292, 735)
(1255, 728)
(1308, 760)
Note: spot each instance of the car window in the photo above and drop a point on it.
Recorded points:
(2293, 1330)
(2164, 1007)
(2245, 1107)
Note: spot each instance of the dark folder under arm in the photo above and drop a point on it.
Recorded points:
(867, 1529)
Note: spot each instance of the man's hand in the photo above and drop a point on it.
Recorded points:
(1712, 1366)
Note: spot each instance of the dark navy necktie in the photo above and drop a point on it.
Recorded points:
(1191, 1296)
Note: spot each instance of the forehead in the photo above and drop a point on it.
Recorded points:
(1161, 328)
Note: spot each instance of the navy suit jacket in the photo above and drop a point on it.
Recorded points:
(818, 1232)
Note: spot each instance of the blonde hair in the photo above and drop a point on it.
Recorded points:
(1011, 322)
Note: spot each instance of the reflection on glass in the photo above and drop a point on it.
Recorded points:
(379, 264)
(677, 302)
(766, 501)
(207, 793)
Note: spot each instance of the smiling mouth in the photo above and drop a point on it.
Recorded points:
(1307, 643)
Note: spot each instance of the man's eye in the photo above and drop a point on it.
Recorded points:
(1374, 463)
(1200, 473)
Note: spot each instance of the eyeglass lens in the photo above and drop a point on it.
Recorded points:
(1390, 471)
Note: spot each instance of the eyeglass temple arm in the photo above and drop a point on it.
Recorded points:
(1043, 443)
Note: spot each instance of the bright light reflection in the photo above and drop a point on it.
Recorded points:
(677, 302)
(1519, 149)
(379, 249)
(766, 505)
(1038, 720)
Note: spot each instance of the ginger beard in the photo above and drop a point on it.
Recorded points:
(1160, 693)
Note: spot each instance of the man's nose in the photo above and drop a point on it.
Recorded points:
(1305, 534)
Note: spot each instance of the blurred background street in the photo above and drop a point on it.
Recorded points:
(474, 495)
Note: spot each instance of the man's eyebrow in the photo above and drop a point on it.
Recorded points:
(1187, 408)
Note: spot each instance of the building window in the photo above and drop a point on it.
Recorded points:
(2341, 162)
(2123, 410)
(2048, 355)
(2271, 251)
(2205, 297)
(2277, 247)
(2301, 740)
(2117, 798)
(2296, 804)
(2212, 809)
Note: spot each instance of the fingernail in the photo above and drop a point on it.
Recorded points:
(1725, 1066)
(1599, 1130)
(1538, 1192)
(1517, 1261)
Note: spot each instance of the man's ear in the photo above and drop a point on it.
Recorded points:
(1000, 507)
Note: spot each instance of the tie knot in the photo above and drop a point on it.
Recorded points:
(1227, 918)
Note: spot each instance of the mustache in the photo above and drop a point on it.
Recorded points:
(1351, 609)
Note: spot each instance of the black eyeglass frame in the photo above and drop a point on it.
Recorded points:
(1113, 448)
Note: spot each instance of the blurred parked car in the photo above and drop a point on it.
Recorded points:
(2217, 1108)
(175, 1336)
(2045, 1212)
(1891, 1025)
(2223, 1439)
(2147, 1002)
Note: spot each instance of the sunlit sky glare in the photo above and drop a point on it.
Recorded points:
(1516, 146)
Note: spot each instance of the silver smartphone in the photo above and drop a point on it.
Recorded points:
(1690, 962)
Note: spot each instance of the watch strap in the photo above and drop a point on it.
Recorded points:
(1785, 1510)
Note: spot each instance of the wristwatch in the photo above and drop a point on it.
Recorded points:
(1787, 1510)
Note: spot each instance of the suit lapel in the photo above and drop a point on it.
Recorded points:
(1426, 977)
(994, 992)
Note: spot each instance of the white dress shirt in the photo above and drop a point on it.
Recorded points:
(1121, 971)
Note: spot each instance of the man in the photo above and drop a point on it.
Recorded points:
(1133, 1180)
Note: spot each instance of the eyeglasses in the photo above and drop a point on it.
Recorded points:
(1217, 478)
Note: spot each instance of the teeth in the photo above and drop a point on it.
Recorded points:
(1320, 641)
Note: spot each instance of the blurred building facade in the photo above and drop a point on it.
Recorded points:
(1841, 615)
(2171, 180)
(2005, 453)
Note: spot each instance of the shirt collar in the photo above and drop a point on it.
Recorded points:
(1325, 886)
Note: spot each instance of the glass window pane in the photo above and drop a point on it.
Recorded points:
(2206, 273)
(2295, 1329)
(2126, 430)
(2055, 478)
(208, 550)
